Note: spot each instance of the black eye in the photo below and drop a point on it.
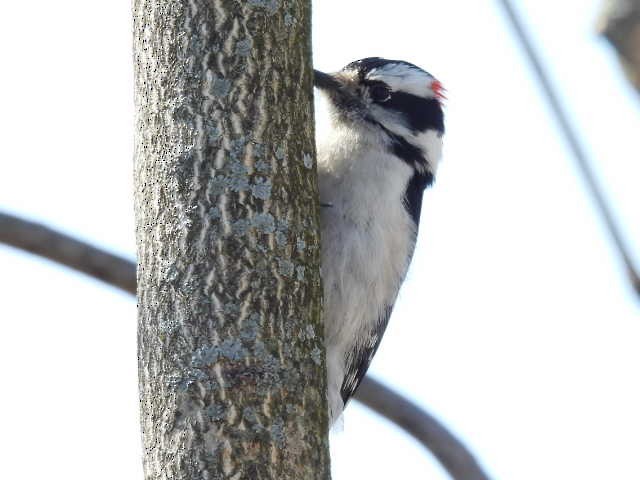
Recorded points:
(380, 93)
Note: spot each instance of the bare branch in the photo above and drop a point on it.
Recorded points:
(448, 450)
(121, 273)
(582, 160)
(41, 240)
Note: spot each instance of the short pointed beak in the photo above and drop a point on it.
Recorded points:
(325, 81)
(337, 90)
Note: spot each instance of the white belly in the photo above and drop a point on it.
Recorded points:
(367, 242)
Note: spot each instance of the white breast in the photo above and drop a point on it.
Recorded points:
(367, 242)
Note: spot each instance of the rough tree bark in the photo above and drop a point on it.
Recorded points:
(620, 24)
(231, 358)
(120, 272)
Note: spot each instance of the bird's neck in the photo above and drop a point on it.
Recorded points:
(367, 183)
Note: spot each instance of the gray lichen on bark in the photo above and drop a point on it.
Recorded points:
(231, 362)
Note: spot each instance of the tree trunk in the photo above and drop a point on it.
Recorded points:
(231, 355)
(620, 24)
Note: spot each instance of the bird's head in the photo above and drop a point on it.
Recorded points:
(396, 102)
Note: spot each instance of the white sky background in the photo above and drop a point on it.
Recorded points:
(515, 326)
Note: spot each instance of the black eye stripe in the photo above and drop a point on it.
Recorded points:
(379, 92)
(421, 113)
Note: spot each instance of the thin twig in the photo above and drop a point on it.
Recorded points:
(121, 273)
(41, 240)
(579, 152)
(450, 452)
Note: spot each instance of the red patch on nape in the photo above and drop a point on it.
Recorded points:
(438, 90)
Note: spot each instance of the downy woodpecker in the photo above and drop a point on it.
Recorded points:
(382, 151)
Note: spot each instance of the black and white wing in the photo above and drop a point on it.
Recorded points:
(359, 359)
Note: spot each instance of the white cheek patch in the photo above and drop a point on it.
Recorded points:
(431, 143)
(392, 119)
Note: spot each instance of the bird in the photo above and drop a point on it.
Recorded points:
(381, 151)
